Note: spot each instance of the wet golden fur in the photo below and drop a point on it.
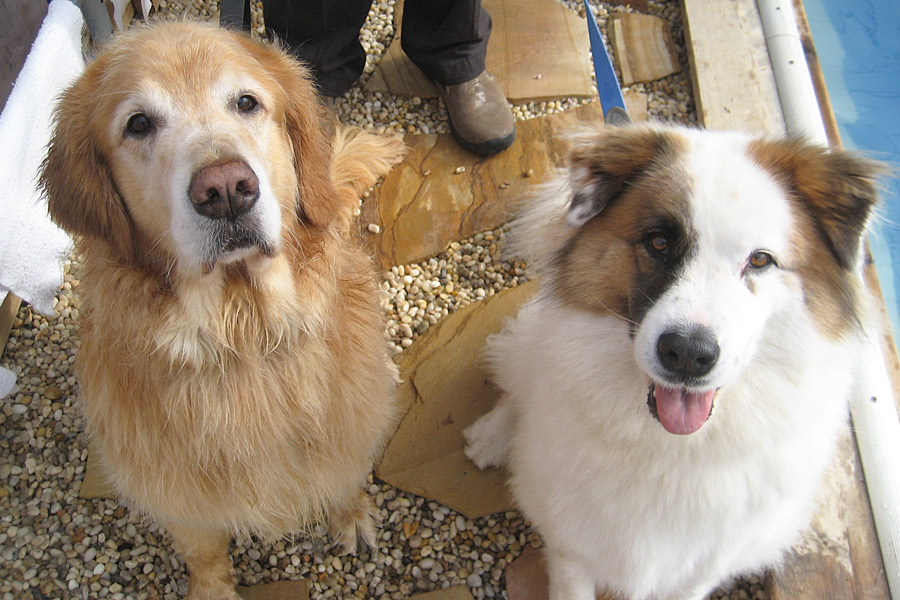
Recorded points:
(251, 396)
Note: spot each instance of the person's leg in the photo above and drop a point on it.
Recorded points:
(325, 35)
(448, 39)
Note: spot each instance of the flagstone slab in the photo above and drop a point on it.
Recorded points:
(442, 193)
(457, 592)
(95, 483)
(538, 50)
(452, 390)
(278, 590)
(637, 105)
(643, 47)
(526, 576)
(527, 579)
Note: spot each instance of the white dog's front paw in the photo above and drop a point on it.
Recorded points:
(487, 439)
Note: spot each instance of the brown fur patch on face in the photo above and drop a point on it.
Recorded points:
(832, 194)
(605, 161)
(609, 265)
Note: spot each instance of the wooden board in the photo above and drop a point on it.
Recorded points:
(643, 47)
(538, 50)
(8, 310)
(839, 555)
(734, 86)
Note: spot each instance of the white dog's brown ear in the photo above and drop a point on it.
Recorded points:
(304, 120)
(604, 160)
(838, 189)
(81, 195)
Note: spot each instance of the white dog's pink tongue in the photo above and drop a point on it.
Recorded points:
(683, 412)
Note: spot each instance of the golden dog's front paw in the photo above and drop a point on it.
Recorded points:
(357, 523)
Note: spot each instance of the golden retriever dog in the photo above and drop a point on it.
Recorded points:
(233, 363)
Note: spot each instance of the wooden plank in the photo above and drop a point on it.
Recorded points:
(734, 86)
(643, 47)
(8, 311)
(517, 54)
(839, 556)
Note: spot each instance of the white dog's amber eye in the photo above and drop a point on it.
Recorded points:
(658, 242)
(760, 259)
(246, 103)
(139, 124)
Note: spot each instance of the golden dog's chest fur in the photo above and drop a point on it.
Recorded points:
(262, 418)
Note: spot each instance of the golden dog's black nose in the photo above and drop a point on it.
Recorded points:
(224, 190)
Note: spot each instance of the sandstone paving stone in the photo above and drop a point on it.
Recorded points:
(278, 590)
(451, 390)
(443, 193)
(456, 592)
(527, 579)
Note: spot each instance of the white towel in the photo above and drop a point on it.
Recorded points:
(32, 248)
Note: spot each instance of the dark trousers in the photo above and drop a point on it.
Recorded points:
(447, 39)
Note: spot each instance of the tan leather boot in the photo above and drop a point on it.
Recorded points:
(481, 120)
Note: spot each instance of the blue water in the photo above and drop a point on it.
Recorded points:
(858, 45)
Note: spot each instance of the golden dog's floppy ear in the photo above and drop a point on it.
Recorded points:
(304, 119)
(81, 195)
(604, 160)
(837, 189)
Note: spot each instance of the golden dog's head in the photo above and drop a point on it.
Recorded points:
(190, 143)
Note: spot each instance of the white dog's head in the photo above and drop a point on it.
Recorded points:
(191, 144)
(697, 239)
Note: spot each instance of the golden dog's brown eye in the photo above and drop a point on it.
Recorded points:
(246, 103)
(760, 260)
(139, 124)
(658, 243)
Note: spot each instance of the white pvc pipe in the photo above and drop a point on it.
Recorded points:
(795, 89)
(873, 407)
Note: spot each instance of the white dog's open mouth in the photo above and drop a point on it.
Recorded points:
(680, 411)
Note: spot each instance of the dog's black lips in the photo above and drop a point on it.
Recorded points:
(651, 401)
(233, 236)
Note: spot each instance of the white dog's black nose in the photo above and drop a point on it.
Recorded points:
(224, 190)
(688, 354)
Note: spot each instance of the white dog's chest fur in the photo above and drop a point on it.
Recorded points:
(649, 503)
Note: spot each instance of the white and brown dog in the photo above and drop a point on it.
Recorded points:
(675, 392)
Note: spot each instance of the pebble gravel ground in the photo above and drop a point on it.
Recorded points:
(55, 545)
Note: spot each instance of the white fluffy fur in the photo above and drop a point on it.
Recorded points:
(622, 504)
